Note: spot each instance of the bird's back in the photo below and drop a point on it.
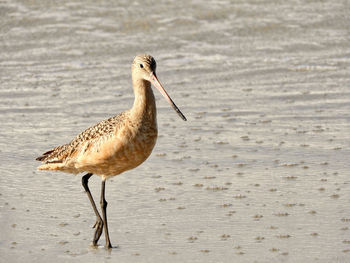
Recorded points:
(108, 148)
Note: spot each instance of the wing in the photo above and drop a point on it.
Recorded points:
(104, 128)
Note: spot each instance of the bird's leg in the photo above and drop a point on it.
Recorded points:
(99, 222)
(103, 203)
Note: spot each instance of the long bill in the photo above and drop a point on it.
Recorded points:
(159, 86)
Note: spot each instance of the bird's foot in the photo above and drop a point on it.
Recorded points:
(98, 232)
(98, 224)
(108, 245)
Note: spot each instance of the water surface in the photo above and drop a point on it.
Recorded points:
(258, 173)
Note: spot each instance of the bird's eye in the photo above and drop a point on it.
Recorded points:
(141, 66)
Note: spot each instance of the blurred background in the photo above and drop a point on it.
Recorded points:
(258, 173)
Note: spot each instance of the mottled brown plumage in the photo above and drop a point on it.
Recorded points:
(92, 143)
(117, 144)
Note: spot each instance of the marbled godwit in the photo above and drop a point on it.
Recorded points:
(115, 145)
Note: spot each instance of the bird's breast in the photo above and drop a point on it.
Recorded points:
(129, 146)
(134, 146)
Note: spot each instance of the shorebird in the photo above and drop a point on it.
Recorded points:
(115, 145)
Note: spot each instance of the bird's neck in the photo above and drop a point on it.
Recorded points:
(144, 104)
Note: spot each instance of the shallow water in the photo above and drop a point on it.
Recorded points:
(258, 173)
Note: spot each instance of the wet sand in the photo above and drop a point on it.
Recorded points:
(258, 173)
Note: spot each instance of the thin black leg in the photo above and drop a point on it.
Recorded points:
(99, 222)
(103, 203)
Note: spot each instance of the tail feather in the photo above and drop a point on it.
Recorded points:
(44, 155)
(55, 155)
(57, 158)
(58, 167)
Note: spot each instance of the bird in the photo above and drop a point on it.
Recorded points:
(115, 145)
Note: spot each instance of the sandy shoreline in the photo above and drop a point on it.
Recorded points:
(259, 173)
